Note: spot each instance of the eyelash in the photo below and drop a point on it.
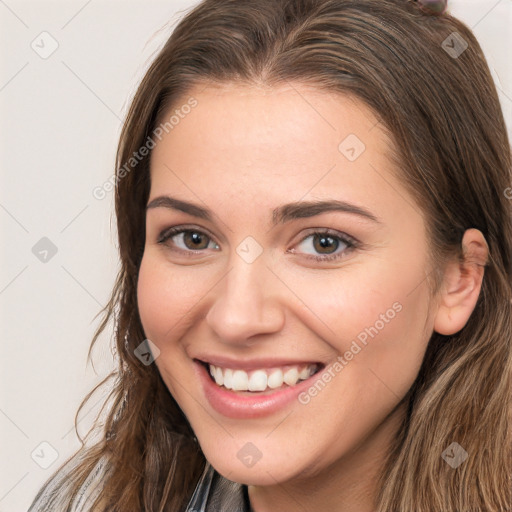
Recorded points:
(350, 242)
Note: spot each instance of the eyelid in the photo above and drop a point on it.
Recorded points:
(309, 231)
(351, 242)
(179, 228)
(329, 231)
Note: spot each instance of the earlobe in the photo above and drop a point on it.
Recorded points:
(462, 283)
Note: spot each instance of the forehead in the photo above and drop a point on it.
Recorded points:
(294, 139)
(273, 116)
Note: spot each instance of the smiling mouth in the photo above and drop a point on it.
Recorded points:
(263, 380)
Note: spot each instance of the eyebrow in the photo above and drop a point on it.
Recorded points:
(282, 214)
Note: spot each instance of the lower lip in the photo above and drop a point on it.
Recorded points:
(245, 406)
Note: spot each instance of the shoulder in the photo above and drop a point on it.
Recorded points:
(55, 494)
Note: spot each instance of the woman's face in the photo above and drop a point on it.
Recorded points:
(300, 252)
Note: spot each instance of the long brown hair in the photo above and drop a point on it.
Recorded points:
(453, 155)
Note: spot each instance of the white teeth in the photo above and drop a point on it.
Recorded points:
(228, 379)
(291, 377)
(275, 379)
(219, 376)
(305, 373)
(260, 380)
(240, 380)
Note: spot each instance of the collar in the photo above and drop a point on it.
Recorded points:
(214, 493)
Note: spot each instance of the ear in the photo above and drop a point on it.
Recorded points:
(461, 284)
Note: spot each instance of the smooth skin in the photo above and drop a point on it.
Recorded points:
(241, 153)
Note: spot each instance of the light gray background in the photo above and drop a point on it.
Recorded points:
(60, 119)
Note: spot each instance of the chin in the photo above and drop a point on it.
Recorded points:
(270, 470)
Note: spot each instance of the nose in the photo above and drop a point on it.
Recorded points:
(246, 304)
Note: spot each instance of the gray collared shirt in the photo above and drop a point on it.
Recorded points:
(214, 493)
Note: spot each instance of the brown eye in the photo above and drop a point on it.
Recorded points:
(194, 240)
(186, 240)
(327, 245)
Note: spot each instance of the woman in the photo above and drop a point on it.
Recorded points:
(313, 309)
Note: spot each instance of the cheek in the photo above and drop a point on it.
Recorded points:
(165, 298)
(377, 329)
(377, 321)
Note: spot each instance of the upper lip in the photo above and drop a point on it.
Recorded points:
(253, 364)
